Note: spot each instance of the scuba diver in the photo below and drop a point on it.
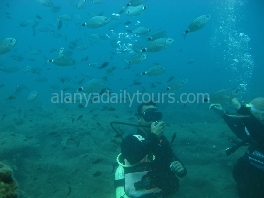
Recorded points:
(148, 168)
(248, 125)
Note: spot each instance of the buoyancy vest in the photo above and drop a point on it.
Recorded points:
(138, 179)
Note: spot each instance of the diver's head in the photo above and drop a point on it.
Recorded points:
(148, 113)
(257, 108)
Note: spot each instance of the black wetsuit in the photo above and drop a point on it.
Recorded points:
(249, 169)
(160, 172)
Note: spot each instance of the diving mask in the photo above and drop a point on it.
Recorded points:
(151, 115)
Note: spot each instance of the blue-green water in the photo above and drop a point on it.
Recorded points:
(51, 146)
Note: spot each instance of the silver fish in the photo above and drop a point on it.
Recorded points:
(158, 34)
(65, 17)
(46, 3)
(96, 22)
(135, 2)
(154, 70)
(141, 31)
(92, 86)
(135, 10)
(158, 45)
(59, 25)
(6, 45)
(25, 23)
(136, 58)
(17, 58)
(34, 52)
(197, 23)
(62, 61)
(222, 96)
(177, 84)
(32, 96)
(81, 4)
(98, 1)
(56, 9)
(10, 69)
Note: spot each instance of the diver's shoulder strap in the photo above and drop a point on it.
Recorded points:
(144, 166)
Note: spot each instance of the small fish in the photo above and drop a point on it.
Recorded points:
(97, 174)
(93, 86)
(173, 137)
(32, 96)
(197, 24)
(158, 45)
(59, 25)
(111, 109)
(94, 116)
(135, 10)
(136, 58)
(170, 79)
(190, 61)
(97, 161)
(105, 64)
(17, 58)
(38, 17)
(62, 61)
(9, 69)
(46, 3)
(222, 96)
(12, 97)
(154, 70)
(98, 124)
(137, 83)
(80, 106)
(177, 84)
(127, 22)
(98, 1)
(157, 35)
(72, 119)
(80, 117)
(135, 2)
(96, 22)
(82, 46)
(7, 44)
(56, 9)
(81, 4)
(141, 31)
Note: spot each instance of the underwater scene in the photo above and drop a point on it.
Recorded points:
(73, 72)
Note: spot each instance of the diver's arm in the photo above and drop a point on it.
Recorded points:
(236, 125)
(184, 173)
(173, 157)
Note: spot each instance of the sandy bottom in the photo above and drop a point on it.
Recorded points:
(52, 155)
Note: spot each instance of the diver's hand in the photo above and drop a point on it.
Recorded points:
(157, 128)
(177, 167)
(234, 103)
(217, 109)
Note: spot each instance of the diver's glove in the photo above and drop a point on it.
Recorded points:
(157, 128)
(177, 168)
(218, 109)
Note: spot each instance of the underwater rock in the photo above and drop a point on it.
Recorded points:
(8, 185)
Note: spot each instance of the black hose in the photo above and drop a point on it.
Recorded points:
(233, 149)
(124, 123)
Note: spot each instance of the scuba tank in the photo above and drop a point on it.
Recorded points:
(120, 182)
